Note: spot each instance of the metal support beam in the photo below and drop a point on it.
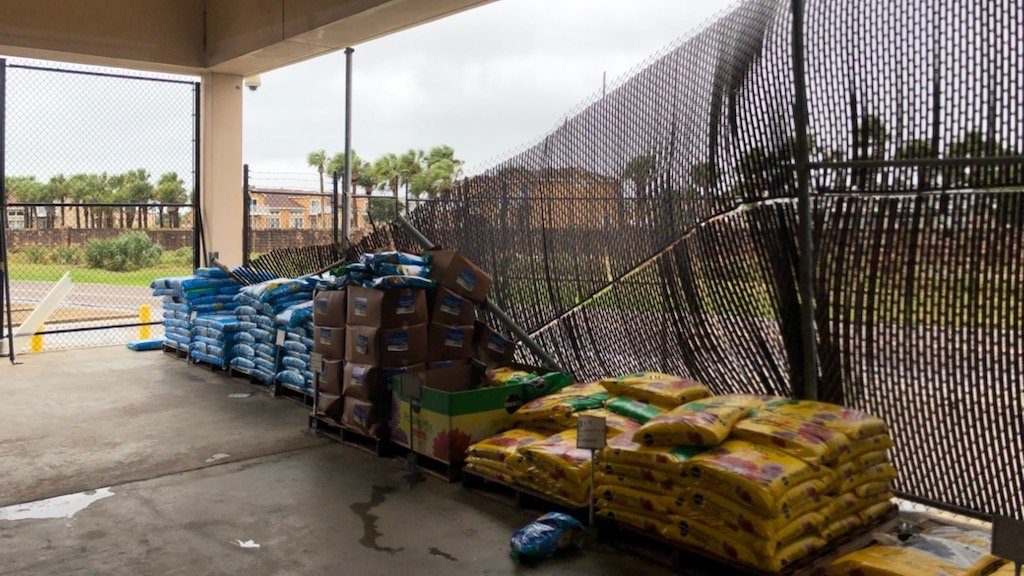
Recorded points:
(809, 338)
(246, 222)
(334, 207)
(490, 306)
(347, 209)
(6, 334)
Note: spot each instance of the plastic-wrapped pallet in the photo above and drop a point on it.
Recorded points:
(297, 324)
(258, 306)
(214, 339)
(209, 291)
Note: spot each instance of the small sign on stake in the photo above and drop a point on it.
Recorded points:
(280, 338)
(591, 434)
(316, 363)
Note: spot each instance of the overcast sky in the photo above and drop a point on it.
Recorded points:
(485, 81)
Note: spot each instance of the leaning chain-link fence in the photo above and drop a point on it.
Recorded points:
(655, 228)
(99, 179)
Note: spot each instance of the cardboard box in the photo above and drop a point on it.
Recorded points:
(332, 377)
(386, 308)
(386, 347)
(447, 363)
(449, 342)
(491, 347)
(447, 307)
(329, 308)
(330, 406)
(362, 416)
(370, 383)
(451, 270)
(444, 424)
(329, 341)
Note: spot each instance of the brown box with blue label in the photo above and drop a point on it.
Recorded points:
(449, 342)
(453, 271)
(447, 307)
(362, 416)
(329, 308)
(386, 347)
(332, 376)
(330, 406)
(370, 383)
(492, 347)
(390, 308)
(329, 341)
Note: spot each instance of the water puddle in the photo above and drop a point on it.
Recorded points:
(370, 531)
(57, 507)
(438, 552)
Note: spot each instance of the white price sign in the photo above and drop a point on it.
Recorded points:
(591, 432)
(316, 362)
(280, 337)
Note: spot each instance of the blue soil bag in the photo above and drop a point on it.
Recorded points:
(545, 536)
(143, 345)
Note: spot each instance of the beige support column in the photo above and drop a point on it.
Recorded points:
(221, 170)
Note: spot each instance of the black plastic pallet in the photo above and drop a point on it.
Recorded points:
(326, 427)
(520, 496)
(174, 350)
(279, 390)
(447, 471)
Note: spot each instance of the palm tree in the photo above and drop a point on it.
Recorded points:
(318, 159)
(133, 187)
(170, 189)
(388, 172)
(57, 190)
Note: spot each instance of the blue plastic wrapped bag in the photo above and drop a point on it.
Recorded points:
(545, 536)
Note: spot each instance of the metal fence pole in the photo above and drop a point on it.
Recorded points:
(334, 206)
(198, 240)
(809, 384)
(246, 223)
(5, 279)
(347, 225)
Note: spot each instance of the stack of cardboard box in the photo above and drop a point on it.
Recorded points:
(329, 309)
(386, 334)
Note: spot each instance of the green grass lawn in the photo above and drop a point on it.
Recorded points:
(22, 269)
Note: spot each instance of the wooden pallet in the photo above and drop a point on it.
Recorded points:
(520, 496)
(206, 365)
(244, 374)
(324, 426)
(170, 347)
(696, 561)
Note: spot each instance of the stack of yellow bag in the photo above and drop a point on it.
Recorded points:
(556, 468)
(635, 483)
(494, 458)
(556, 412)
(851, 443)
(942, 550)
(662, 390)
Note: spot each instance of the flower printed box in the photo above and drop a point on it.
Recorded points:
(444, 424)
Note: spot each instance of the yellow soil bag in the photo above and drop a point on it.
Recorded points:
(758, 476)
(616, 423)
(703, 504)
(634, 519)
(638, 472)
(704, 422)
(880, 473)
(875, 511)
(656, 388)
(621, 497)
(803, 498)
(941, 551)
(490, 472)
(853, 423)
(664, 487)
(697, 533)
(559, 457)
(562, 490)
(504, 445)
(570, 399)
(806, 440)
(870, 446)
(841, 527)
(671, 460)
(873, 458)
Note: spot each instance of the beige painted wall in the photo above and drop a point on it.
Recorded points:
(221, 144)
(168, 32)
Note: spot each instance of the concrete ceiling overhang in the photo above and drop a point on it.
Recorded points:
(242, 37)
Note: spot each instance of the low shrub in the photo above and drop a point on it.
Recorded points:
(125, 253)
(36, 254)
(180, 257)
(68, 255)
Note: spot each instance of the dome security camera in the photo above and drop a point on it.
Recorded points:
(253, 82)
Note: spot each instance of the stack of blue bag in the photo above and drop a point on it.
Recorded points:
(215, 338)
(256, 352)
(384, 270)
(297, 323)
(185, 298)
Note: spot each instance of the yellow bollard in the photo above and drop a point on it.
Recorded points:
(35, 343)
(144, 318)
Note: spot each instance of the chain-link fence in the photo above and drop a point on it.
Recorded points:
(99, 186)
(656, 227)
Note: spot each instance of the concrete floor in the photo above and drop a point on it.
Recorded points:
(194, 471)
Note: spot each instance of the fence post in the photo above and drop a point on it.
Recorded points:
(334, 207)
(346, 225)
(246, 214)
(6, 335)
(809, 381)
(198, 241)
